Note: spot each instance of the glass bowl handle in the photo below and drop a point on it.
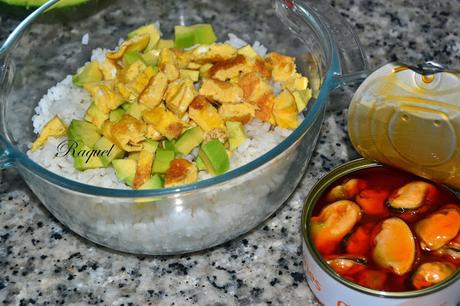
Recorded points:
(6, 158)
(352, 58)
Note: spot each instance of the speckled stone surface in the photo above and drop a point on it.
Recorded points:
(42, 262)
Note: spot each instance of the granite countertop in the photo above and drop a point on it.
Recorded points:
(42, 262)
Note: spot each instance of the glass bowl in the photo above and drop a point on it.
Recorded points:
(192, 217)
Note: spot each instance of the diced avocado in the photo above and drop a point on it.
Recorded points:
(131, 57)
(150, 29)
(236, 132)
(165, 43)
(215, 157)
(96, 116)
(200, 164)
(126, 106)
(83, 133)
(136, 109)
(86, 158)
(125, 169)
(108, 151)
(247, 51)
(193, 75)
(204, 69)
(162, 159)
(169, 145)
(190, 139)
(192, 35)
(134, 156)
(82, 137)
(90, 73)
(116, 115)
(150, 145)
(155, 182)
(301, 98)
(151, 57)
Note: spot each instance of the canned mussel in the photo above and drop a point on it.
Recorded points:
(375, 235)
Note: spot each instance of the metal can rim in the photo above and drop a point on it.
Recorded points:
(313, 196)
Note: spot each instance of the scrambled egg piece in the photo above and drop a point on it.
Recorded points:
(180, 172)
(106, 130)
(164, 121)
(283, 66)
(242, 112)
(167, 63)
(285, 110)
(230, 68)
(263, 68)
(153, 95)
(152, 133)
(144, 168)
(207, 118)
(109, 69)
(296, 82)
(131, 91)
(253, 86)
(220, 91)
(128, 133)
(104, 95)
(213, 53)
(179, 95)
(53, 128)
(137, 43)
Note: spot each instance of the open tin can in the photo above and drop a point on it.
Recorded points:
(395, 112)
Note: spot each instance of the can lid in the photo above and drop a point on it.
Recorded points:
(409, 120)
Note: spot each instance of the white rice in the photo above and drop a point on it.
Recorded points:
(69, 101)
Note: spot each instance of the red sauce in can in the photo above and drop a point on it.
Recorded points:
(388, 230)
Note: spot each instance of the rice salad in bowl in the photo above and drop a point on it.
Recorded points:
(157, 113)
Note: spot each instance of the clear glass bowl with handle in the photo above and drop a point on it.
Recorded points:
(191, 217)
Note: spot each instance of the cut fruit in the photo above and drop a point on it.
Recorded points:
(189, 140)
(125, 169)
(202, 34)
(215, 157)
(236, 133)
(108, 151)
(155, 182)
(162, 160)
(90, 73)
(150, 29)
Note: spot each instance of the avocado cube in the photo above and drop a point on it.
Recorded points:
(90, 73)
(150, 29)
(155, 182)
(125, 169)
(126, 106)
(200, 164)
(131, 57)
(162, 159)
(215, 157)
(116, 115)
(195, 34)
(151, 57)
(108, 151)
(150, 145)
(165, 43)
(135, 109)
(301, 98)
(190, 139)
(169, 145)
(96, 116)
(86, 158)
(237, 134)
(193, 75)
(134, 156)
(83, 133)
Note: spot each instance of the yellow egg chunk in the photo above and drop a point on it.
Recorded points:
(285, 110)
(53, 128)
